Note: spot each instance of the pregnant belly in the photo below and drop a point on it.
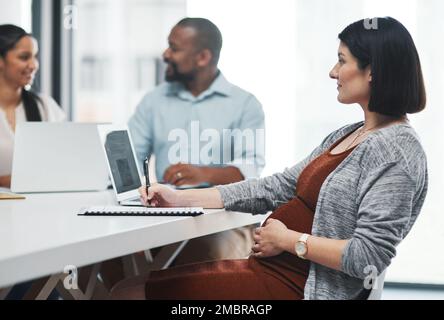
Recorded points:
(295, 215)
(287, 268)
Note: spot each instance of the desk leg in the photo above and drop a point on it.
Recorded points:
(136, 264)
(165, 257)
(142, 262)
(87, 282)
(148, 256)
(139, 265)
(42, 288)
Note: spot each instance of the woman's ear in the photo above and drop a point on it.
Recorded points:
(369, 74)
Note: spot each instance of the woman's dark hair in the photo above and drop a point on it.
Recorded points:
(384, 44)
(9, 36)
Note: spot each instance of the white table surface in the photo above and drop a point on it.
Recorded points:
(41, 235)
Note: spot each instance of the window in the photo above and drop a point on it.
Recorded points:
(117, 47)
(93, 74)
(17, 12)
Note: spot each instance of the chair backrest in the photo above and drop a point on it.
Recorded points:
(376, 292)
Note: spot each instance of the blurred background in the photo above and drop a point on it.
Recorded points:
(99, 57)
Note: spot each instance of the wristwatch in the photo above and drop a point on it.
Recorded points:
(301, 247)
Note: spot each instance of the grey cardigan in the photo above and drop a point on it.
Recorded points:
(371, 199)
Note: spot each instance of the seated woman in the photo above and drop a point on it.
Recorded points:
(337, 214)
(18, 65)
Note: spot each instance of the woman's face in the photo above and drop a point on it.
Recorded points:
(353, 83)
(20, 64)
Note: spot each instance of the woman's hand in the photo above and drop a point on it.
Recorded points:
(269, 239)
(160, 196)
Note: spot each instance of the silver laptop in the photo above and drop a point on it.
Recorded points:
(122, 165)
(58, 157)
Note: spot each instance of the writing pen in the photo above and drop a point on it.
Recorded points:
(146, 165)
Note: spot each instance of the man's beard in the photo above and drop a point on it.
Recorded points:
(177, 76)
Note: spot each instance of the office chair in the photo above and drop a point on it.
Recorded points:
(376, 292)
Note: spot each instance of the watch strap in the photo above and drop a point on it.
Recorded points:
(304, 238)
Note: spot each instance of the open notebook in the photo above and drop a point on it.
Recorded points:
(139, 211)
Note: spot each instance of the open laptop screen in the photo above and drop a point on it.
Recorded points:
(121, 160)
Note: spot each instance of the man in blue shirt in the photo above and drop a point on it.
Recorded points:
(201, 129)
(197, 99)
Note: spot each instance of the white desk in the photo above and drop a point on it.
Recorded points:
(41, 235)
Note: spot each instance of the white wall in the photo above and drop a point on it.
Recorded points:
(16, 12)
(258, 55)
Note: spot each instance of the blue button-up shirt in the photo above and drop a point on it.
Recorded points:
(175, 126)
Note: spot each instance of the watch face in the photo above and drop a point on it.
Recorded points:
(301, 249)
